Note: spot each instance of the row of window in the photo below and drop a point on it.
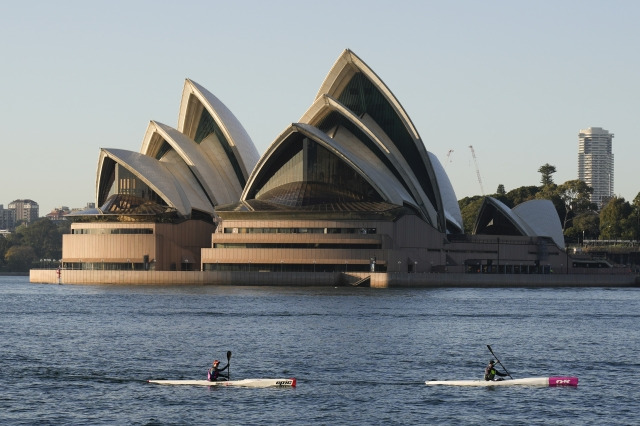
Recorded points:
(234, 267)
(109, 266)
(297, 246)
(285, 267)
(508, 269)
(300, 230)
(126, 266)
(109, 231)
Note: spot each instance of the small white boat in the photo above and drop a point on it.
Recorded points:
(529, 381)
(250, 383)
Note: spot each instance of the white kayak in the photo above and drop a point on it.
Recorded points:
(529, 381)
(250, 383)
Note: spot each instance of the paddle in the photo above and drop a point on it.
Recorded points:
(494, 355)
(228, 365)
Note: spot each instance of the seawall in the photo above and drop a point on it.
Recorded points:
(302, 279)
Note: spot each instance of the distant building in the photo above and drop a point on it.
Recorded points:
(7, 218)
(595, 162)
(58, 213)
(89, 206)
(25, 210)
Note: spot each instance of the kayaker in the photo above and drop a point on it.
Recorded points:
(490, 372)
(214, 372)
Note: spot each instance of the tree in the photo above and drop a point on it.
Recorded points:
(636, 201)
(575, 196)
(546, 170)
(4, 246)
(44, 236)
(614, 220)
(469, 207)
(501, 195)
(20, 258)
(586, 226)
(636, 214)
(520, 195)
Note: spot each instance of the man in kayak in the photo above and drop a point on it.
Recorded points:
(490, 372)
(214, 372)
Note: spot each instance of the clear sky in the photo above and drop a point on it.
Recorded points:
(515, 79)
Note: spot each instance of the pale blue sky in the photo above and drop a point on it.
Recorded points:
(515, 79)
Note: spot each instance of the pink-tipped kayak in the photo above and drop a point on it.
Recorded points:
(529, 381)
(250, 383)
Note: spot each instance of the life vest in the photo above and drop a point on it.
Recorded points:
(212, 374)
(489, 372)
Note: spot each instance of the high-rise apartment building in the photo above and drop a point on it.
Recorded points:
(7, 218)
(595, 162)
(26, 210)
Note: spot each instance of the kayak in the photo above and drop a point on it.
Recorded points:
(250, 383)
(529, 381)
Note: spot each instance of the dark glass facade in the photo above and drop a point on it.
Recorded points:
(312, 175)
(206, 127)
(334, 121)
(118, 180)
(362, 97)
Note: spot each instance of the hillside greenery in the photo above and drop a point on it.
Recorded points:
(34, 245)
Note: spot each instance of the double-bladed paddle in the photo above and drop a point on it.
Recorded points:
(228, 365)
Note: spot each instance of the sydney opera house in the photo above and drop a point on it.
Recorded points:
(347, 194)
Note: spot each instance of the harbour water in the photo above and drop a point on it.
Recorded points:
(82, 354)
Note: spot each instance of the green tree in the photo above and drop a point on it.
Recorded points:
(614, 220)
(575, 196)
(44, 236)
(636, 201)
(20, 258)
(636, 217)
(546, 171)
(4, 246)
(469, 208)
(520, 195)
(501, 194)
(585, 226)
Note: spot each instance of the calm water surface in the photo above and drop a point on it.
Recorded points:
(82, 354)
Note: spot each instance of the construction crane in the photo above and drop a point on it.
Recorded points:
(475, 161)
(449, 155)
